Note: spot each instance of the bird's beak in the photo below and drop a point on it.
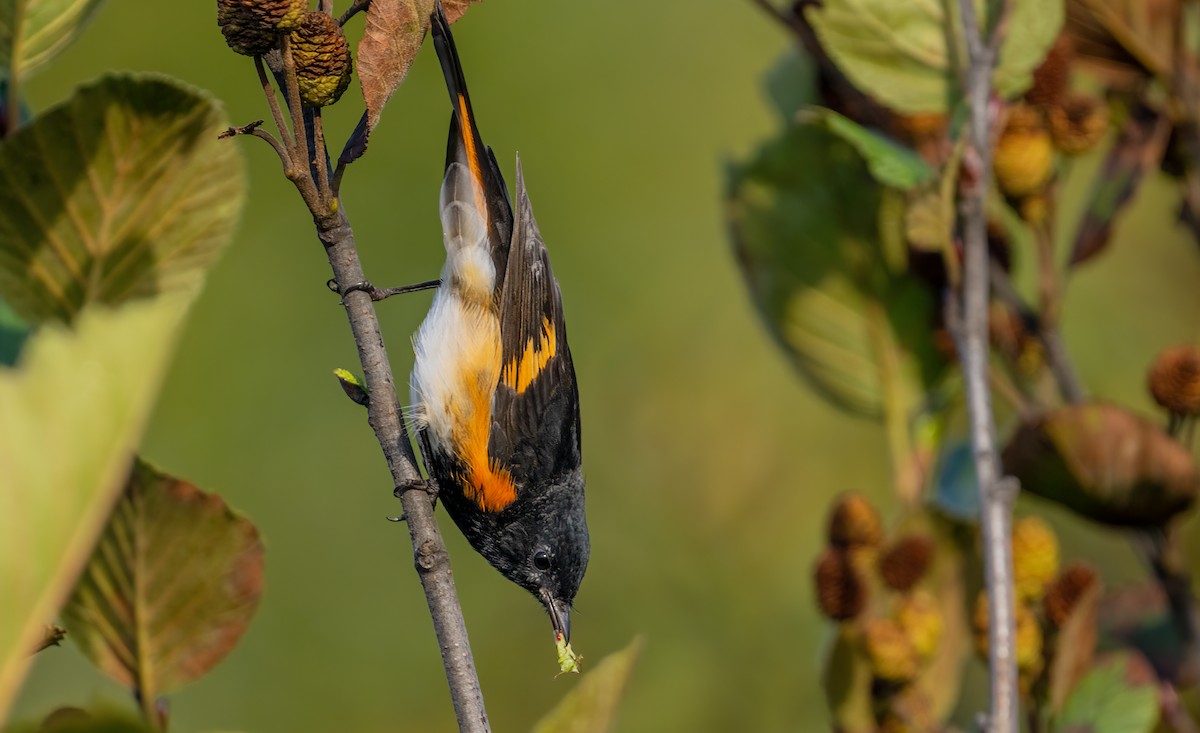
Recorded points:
(560, 615)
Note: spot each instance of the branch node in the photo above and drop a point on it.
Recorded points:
(429, 556)
(243, 130)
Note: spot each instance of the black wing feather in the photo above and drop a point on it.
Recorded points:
(535, 431)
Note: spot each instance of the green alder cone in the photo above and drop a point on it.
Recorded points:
(323, 61)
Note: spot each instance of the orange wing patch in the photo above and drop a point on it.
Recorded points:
(520, 372)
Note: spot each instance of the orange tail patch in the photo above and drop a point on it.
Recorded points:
(468, 133)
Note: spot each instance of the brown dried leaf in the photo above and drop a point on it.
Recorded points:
(170, 588)
(455, 9)
(1074, 647)
(391, 39)
(1138, 148)
(1105, 463)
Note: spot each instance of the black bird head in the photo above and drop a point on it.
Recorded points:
(540, 543)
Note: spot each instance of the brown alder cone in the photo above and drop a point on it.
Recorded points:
(323, 62)
(1064, 593)
(904, 563)
(1174, 379)
(854, 523)
(280, 15)
(1077, 123)
(1052, 79)
(841, 591)
(243, 33)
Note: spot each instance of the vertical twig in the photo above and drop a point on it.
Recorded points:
(320, 158)
(969, 316)
(383, 408)
(431, 559)
(273, 103)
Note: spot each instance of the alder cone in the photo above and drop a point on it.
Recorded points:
(1052, 79)
(1174, 379)
(1064, 593)
(243, 33)
(841, 591)
(906, 562)
(279, 15)
(1078, 123)
(854, 522)
(323, 61)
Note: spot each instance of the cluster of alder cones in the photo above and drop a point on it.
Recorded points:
(315, 41)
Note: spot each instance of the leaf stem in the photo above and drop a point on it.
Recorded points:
(357, 7)
(967, 313)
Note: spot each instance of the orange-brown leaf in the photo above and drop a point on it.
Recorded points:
(391, 39)
(171, 586)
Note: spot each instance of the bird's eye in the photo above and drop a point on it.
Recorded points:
(541, 560)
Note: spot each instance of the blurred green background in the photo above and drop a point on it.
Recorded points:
(709, 464)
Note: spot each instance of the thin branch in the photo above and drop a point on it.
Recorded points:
(1004, 386)
(969, 323)
(383, 411)
(778, 15)
(273, 102)
(52, 635)
(1057, 358)
(320, 158)
(295, 106)
(359, 6)
(432, 561)
(254, 130)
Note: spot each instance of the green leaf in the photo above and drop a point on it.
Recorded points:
(846, 677)
(77, 720)
(1104, 463)
(890, 163)
(170, 588)
(1119, 695)
(792, 83)
(121, 192)
(897, 52)
(591, 707)
(13, 334)
(34, 31)
(803, 219)
(74, 408)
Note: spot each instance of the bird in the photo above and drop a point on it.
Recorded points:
(494, 394)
